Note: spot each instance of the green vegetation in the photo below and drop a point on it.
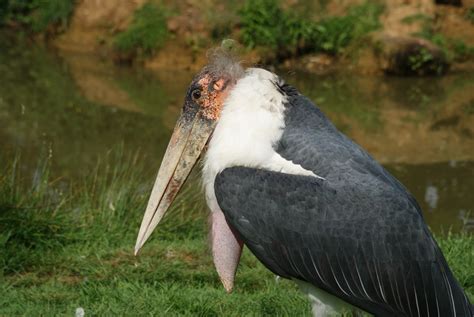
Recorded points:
(470, 14)
(265, 24)
(70, 248)
(421, 59)
(61, 249)
(428, 32)
(36, 15)
(415, 18)
(468, 107)
(462, 51)
(453, 49)
(146, 33)
(459, 251)
(222, 24)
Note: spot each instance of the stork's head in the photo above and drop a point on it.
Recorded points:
(207, 93)
(203, 103)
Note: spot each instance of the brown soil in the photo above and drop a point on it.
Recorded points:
(94, 22)
(176, 55)
(397, 11)
(451, 22)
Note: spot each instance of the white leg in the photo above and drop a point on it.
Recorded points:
(323, 304)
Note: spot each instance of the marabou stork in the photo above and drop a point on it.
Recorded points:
(309, 203)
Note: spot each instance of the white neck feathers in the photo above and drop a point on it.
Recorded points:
(251, 122)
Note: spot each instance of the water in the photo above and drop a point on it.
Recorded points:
(76, 109)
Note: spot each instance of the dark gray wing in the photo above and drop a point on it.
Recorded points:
(366, 244)
(312, 141)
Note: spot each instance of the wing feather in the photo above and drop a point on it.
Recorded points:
(368, 247)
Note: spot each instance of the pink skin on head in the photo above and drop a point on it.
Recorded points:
(212, 101)
(226, 249)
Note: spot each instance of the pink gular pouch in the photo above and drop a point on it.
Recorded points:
(226, 249)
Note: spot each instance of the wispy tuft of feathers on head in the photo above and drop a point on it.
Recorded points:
(224, 63)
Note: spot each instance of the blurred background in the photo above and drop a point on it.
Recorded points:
(90, 91)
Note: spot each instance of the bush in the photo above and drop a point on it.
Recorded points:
(454, 49)
(332, 35)
(265, 24)
(51, 12)
(262, 23)
(462, 51)
(146, 33)
(36, 15)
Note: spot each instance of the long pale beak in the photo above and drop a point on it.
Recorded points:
(189, 138)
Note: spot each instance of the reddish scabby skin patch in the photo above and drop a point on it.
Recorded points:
(213, 95)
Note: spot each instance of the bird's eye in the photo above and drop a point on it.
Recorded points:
(196, 94)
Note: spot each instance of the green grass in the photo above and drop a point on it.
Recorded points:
(459, 251)
(147, 32)
(61, 249)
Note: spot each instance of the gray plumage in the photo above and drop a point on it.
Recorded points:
(358, 234)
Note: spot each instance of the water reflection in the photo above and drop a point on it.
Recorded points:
(431, 196)
(403, 120)
(77, 108)
(443, 191)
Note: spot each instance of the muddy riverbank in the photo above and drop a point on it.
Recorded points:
(398, 37)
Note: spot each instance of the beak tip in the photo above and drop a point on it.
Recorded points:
(228, 285)
(137, 248)
(142, 238)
